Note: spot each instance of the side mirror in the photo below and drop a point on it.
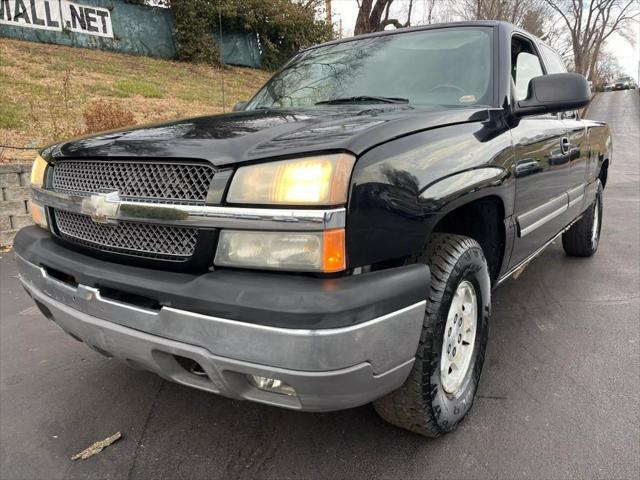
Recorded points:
(557, 92)
(239, 106)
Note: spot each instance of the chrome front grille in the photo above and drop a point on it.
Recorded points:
(134, 180)
(162, 182)
(139, 239)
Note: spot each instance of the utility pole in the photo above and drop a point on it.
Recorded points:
(224, 106)
(340, 29)
(329, 17)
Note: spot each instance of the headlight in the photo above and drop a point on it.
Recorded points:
(317, 180)
(37, 180)
(295, 251)
(37, 171)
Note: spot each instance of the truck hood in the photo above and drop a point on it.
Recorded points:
(244, 136)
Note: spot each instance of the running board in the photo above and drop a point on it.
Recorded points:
(519, 268)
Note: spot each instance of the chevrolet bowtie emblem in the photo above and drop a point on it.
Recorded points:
(102, 208)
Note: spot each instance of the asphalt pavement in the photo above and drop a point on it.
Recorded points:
(559, 395)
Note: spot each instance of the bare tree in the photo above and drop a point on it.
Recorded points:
(531, 15)
(607, 69)
(590, 23)
(429, 7)
(374, 16)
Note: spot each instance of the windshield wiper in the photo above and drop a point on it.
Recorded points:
(363, 99)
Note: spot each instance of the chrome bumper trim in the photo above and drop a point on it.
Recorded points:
(384, 342)
(108, 208)
(315, 391)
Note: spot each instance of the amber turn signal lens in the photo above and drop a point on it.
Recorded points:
(38, 214)
(333, 252)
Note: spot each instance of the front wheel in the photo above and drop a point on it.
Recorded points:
(441, 387)
(583, 238)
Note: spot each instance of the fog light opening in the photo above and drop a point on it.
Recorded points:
(272, 385)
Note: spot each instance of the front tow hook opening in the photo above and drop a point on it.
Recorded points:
(61, 276)
(191, 366)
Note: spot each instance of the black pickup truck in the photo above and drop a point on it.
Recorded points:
(335, 240)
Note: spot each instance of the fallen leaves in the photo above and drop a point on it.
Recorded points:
(97, 447)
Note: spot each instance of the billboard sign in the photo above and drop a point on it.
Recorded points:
(58, 15)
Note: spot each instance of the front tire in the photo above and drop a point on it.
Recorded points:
(583, 238)
(441, 387)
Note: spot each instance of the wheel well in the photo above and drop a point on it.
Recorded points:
(482, 220)
(604, 170)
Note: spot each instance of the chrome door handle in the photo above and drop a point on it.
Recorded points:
(564, 145)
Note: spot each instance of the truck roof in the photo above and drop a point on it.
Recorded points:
(506, 26)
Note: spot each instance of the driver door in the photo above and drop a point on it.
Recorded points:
(542, 164)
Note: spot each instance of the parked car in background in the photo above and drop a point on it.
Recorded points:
(336, 240)
(621, 85)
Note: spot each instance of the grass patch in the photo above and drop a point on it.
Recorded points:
(111, 69)
(6, 62)
(101, 90)
(45, 90)
(201, 93)
(138, 87)
(10, 115)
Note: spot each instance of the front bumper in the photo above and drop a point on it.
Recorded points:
(329, 368)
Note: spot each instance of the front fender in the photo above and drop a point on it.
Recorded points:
(401, 189)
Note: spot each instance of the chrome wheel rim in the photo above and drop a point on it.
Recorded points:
(459, 337)
(596, 224)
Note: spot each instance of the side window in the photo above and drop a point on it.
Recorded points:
(525, 65)
(553, 61)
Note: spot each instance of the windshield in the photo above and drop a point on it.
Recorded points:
(449, 66)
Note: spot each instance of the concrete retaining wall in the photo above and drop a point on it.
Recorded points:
(14, 187)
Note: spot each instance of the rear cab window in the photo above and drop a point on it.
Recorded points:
(552, 60)
(525, 65)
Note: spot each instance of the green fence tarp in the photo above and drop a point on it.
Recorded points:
(137, 29)
(239, 48)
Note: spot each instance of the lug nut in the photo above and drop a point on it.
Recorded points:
(459, 337)
(454, 351)
(449, 334)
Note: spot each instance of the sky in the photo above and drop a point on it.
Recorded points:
(347, 11)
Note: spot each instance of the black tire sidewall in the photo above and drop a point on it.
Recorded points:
(448, 409)
(577, 241)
